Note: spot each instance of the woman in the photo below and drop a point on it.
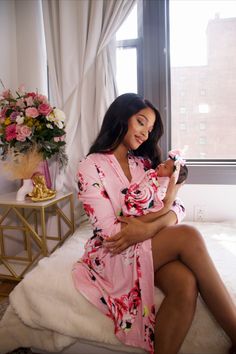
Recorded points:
(126, 256)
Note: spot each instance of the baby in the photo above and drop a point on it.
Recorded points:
(146, 196)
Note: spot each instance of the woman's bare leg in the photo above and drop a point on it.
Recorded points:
(178, 307)
(185, 243)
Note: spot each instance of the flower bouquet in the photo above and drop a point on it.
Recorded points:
(31, 130)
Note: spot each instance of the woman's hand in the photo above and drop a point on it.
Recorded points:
(132, 232)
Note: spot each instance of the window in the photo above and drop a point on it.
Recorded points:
(202, 92)
(202, 140)
(202, 45)
(127, 43)
(202, 126)
(126, 70)
(185, 54)
(203, 108)
(182, 110)
(182, 126)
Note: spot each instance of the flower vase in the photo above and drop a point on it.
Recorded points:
(26, 188)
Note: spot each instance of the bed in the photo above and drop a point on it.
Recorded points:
(47, 314)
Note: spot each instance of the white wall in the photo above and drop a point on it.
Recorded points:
(217, 201)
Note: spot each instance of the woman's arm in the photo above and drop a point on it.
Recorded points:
(152, 216)
(138, 229)
(134, 230)
(99, 208)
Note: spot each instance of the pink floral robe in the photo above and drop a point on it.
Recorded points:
(121, 286)
(146, 196)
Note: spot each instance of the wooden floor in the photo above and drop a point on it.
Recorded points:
(5, 288)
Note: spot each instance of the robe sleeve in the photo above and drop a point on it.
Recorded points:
(96, 201)
(179, 209)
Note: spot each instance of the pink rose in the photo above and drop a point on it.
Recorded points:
(44, 109)
(134, 299)
(138, 199)
(11, 132)
(42, 98)
(20, 137)
(20, 103)
(117, 310)
(90, 212)
(31, 112)
(23, 132)
(29, 101)
(32, 94)
(6, 94)
(81, 183)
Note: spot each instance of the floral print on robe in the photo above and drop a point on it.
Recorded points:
(121, 286)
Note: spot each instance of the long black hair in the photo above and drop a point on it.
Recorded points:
(115, 126)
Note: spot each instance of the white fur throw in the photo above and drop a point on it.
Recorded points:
(48, 313)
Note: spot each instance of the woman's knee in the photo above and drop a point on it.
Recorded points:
(191, 236)
(181, 231)
(190, 230)
(176, 242)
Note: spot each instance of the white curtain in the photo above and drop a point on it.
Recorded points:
(23, 54)
(30, 46)
(80, 50)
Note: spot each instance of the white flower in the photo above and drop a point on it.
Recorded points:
(59, 124)
(50, 117)
(20, 119)
(59, 115)
(49, 126)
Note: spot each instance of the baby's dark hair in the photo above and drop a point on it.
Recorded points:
(183, 174)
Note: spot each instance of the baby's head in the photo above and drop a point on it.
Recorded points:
(166, 168)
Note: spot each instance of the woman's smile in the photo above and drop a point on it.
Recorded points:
(139, 127)
(139, 140)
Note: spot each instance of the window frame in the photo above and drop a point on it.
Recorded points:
(137, 44)
(154, 73)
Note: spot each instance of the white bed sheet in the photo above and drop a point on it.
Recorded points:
(47, 313)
